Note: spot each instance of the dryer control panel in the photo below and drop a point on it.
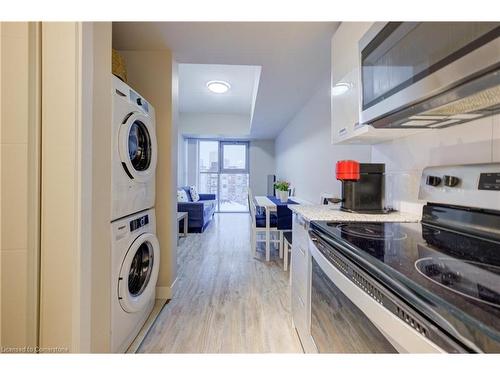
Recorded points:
(139, 222)
(139, 101)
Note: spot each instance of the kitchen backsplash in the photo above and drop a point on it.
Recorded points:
(405, 158)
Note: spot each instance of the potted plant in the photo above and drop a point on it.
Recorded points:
(282, 190)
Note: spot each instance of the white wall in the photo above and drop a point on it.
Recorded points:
(19, 183)
(191, 162)
(66, 199)
(473, 142)
(262, 163)
(304, 154)
(182, 159)
(97, 85)
(214, 125)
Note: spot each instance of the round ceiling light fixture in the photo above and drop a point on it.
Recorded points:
(340, 88)
(218, 87)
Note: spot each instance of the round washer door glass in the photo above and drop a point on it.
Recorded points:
(139, 273)
(139, 146)
(140, 269)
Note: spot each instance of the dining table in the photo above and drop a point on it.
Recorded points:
(270, 205)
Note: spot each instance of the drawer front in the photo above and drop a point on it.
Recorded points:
(301, 321)
(299, 315)
(299, 269)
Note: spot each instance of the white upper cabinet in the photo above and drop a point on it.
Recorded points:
(345, 50)
(346, 90)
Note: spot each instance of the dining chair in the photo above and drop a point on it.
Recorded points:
(258, 225)
(287, 247)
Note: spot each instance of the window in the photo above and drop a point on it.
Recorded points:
(234, 156)
(209, 156)
(223, 170)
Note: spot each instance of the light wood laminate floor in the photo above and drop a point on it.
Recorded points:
(225, 301)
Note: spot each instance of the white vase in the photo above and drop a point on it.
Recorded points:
(283, 196)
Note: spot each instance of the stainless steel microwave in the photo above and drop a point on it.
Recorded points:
(429, 74)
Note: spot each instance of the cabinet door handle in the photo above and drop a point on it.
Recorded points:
(342, 131)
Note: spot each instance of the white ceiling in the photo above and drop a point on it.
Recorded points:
(194, 96)
(294, 57)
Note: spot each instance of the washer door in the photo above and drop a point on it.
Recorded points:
(137, 147)
(139, 273)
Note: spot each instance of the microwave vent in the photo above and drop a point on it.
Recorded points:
(479, 97)
(477, 102)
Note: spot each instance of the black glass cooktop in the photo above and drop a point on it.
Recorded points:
(457, 276)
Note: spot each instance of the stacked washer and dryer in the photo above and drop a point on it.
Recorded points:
(135, 251)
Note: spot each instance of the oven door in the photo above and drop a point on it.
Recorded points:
(337, 325)
(351, 312)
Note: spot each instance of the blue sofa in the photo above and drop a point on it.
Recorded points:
(199, 213)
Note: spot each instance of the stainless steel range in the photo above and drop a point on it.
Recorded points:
(432, 286)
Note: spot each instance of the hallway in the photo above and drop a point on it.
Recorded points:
(225, 301)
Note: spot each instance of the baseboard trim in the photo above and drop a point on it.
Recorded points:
(136, 344)
(165, 292)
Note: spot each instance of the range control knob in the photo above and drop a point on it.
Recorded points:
(433, 180)
(451, 181)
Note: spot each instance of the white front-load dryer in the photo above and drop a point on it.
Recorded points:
(134, 152)
(135, 263)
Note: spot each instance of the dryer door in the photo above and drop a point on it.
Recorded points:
(137, 147)
(139, 273)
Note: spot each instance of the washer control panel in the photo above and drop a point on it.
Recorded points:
(139, 222)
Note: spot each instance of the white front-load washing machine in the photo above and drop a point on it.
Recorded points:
(133, 152)
(135, 262)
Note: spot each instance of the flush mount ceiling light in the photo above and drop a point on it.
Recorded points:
(340, 88)
(218, 87)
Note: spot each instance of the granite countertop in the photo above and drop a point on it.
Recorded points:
(332, 213)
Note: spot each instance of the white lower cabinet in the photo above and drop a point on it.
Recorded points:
(300, 283)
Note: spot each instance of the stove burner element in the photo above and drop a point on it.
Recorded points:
(474, 280)
(373, 231)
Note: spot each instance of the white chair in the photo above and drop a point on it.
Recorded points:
(287, 247)
(258, 226)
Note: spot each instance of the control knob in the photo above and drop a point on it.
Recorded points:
(451, 181)
(433, 180)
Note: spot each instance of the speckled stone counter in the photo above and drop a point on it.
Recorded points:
(329, 213)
